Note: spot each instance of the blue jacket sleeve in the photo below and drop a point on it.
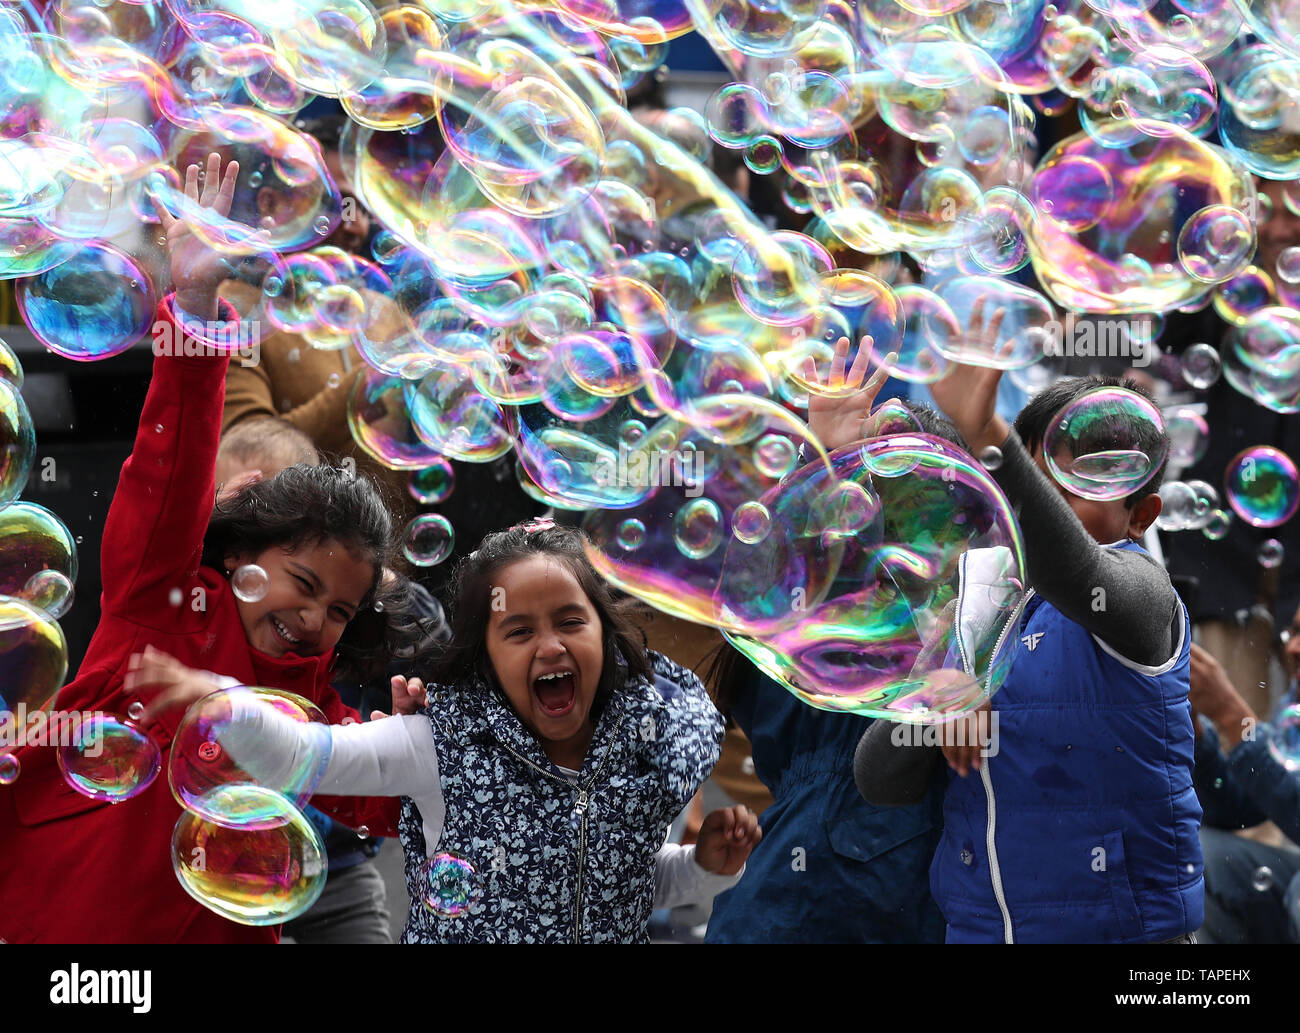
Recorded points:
(1223, 799)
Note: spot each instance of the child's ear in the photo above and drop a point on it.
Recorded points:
(233, 561)
(1143, 515)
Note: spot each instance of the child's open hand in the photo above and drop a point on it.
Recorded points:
(726, 839)
(172, 683)
(968, 394)
(837, 420)
(409, 697)
(973, 732)
(197, 268)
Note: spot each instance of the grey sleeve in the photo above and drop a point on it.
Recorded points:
(1124, 598)
(889, 775)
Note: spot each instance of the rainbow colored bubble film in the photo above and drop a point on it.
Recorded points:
(516, 256)
(853, 593)
(1262, 486)
(451, 887)
(1284, 742)
(253, 875)
(217, 747)
(1106, 445)
(110, 760)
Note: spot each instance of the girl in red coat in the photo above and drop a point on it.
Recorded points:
(75, 869)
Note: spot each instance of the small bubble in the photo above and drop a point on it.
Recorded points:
(379, 606)
(363, 830)
(991, 457)
(175, 596)
(321, 226)
(334, 380)
(135, 711)
(1262, 879)
(158, 428)
(9, 769)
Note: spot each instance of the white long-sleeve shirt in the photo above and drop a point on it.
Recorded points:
(397, 757)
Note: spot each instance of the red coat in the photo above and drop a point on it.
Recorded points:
(74, 869)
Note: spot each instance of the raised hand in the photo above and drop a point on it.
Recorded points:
(836, 419)
(170, 682)
(409, 697)
(197, 268)
(968, 394)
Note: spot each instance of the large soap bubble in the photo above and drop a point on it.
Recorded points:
(1106, 444)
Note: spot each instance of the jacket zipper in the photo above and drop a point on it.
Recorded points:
(986, 777)
(581, 809)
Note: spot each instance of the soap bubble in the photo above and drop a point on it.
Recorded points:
(38, 558)
(990, 458)
(33, 655)
(1263, 487)
(1189, 436)
(1217, 526)
(256, 875)
(109, 760)
(17, 443)
(94, 305)
(1262, 879)
(1106, 444)
(1270, 554)
(851, 596)
(1207, 501)
(751, 522)
(1216, 243)
(428, 540)
(250, 583)
(10, 769)
(1178, 507)
(1201, 366)
(1284, 742)
(213, 751)
(451, 887)
(434, 484)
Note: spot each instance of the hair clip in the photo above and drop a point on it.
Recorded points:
(537, 524)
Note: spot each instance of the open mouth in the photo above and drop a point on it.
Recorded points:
(282, 633)
(556, 692)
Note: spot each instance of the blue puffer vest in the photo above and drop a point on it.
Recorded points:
(1083, 825)
(559, 862)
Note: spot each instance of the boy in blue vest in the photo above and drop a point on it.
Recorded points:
(1080, 824)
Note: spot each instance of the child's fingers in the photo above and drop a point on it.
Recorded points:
(377, 715)
(164, 216)
(866, 348)
(192, 183)
(211, 180)
(836, 378)
(810, 371)
(226, 194)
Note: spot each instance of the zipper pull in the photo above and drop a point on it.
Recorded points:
(582, 802)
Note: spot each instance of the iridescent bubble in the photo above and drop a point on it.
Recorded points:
(1201, 366)
(751, 522)
(1216, 528)
(109, 760)
(1263, 487)
(428, 540)
(1106, 444)
(218, 747)
(94, 305)
(1026, 327)
(1189, 436)
(33, 655)
(451, 886)
(250, 583)
(1207, 502)
(991, 457)
(10, 368)
(1284, 743)
(852, 595)
(434, 484)
(1177, 507)
(10, 769)
(631, 534)
(1216, 243)
(1248, 292)
(1262, 879)
(699, 528)
(38, 558)
(1288, 265)
(1270, 554)
(381, 423)
(17, 443)
(251, 874)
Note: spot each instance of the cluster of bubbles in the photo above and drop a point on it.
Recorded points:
(38, 569)
(561, 279)
(243, 846)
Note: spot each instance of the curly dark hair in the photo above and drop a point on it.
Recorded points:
(304, 505)
(470, 592)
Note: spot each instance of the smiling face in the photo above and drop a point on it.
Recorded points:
(312, 593)
(1107, 522)
(546, 645)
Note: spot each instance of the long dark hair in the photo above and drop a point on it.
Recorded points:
(304, 505)
(470, 592)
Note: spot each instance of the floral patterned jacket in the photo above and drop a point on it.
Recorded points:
(557, 861)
